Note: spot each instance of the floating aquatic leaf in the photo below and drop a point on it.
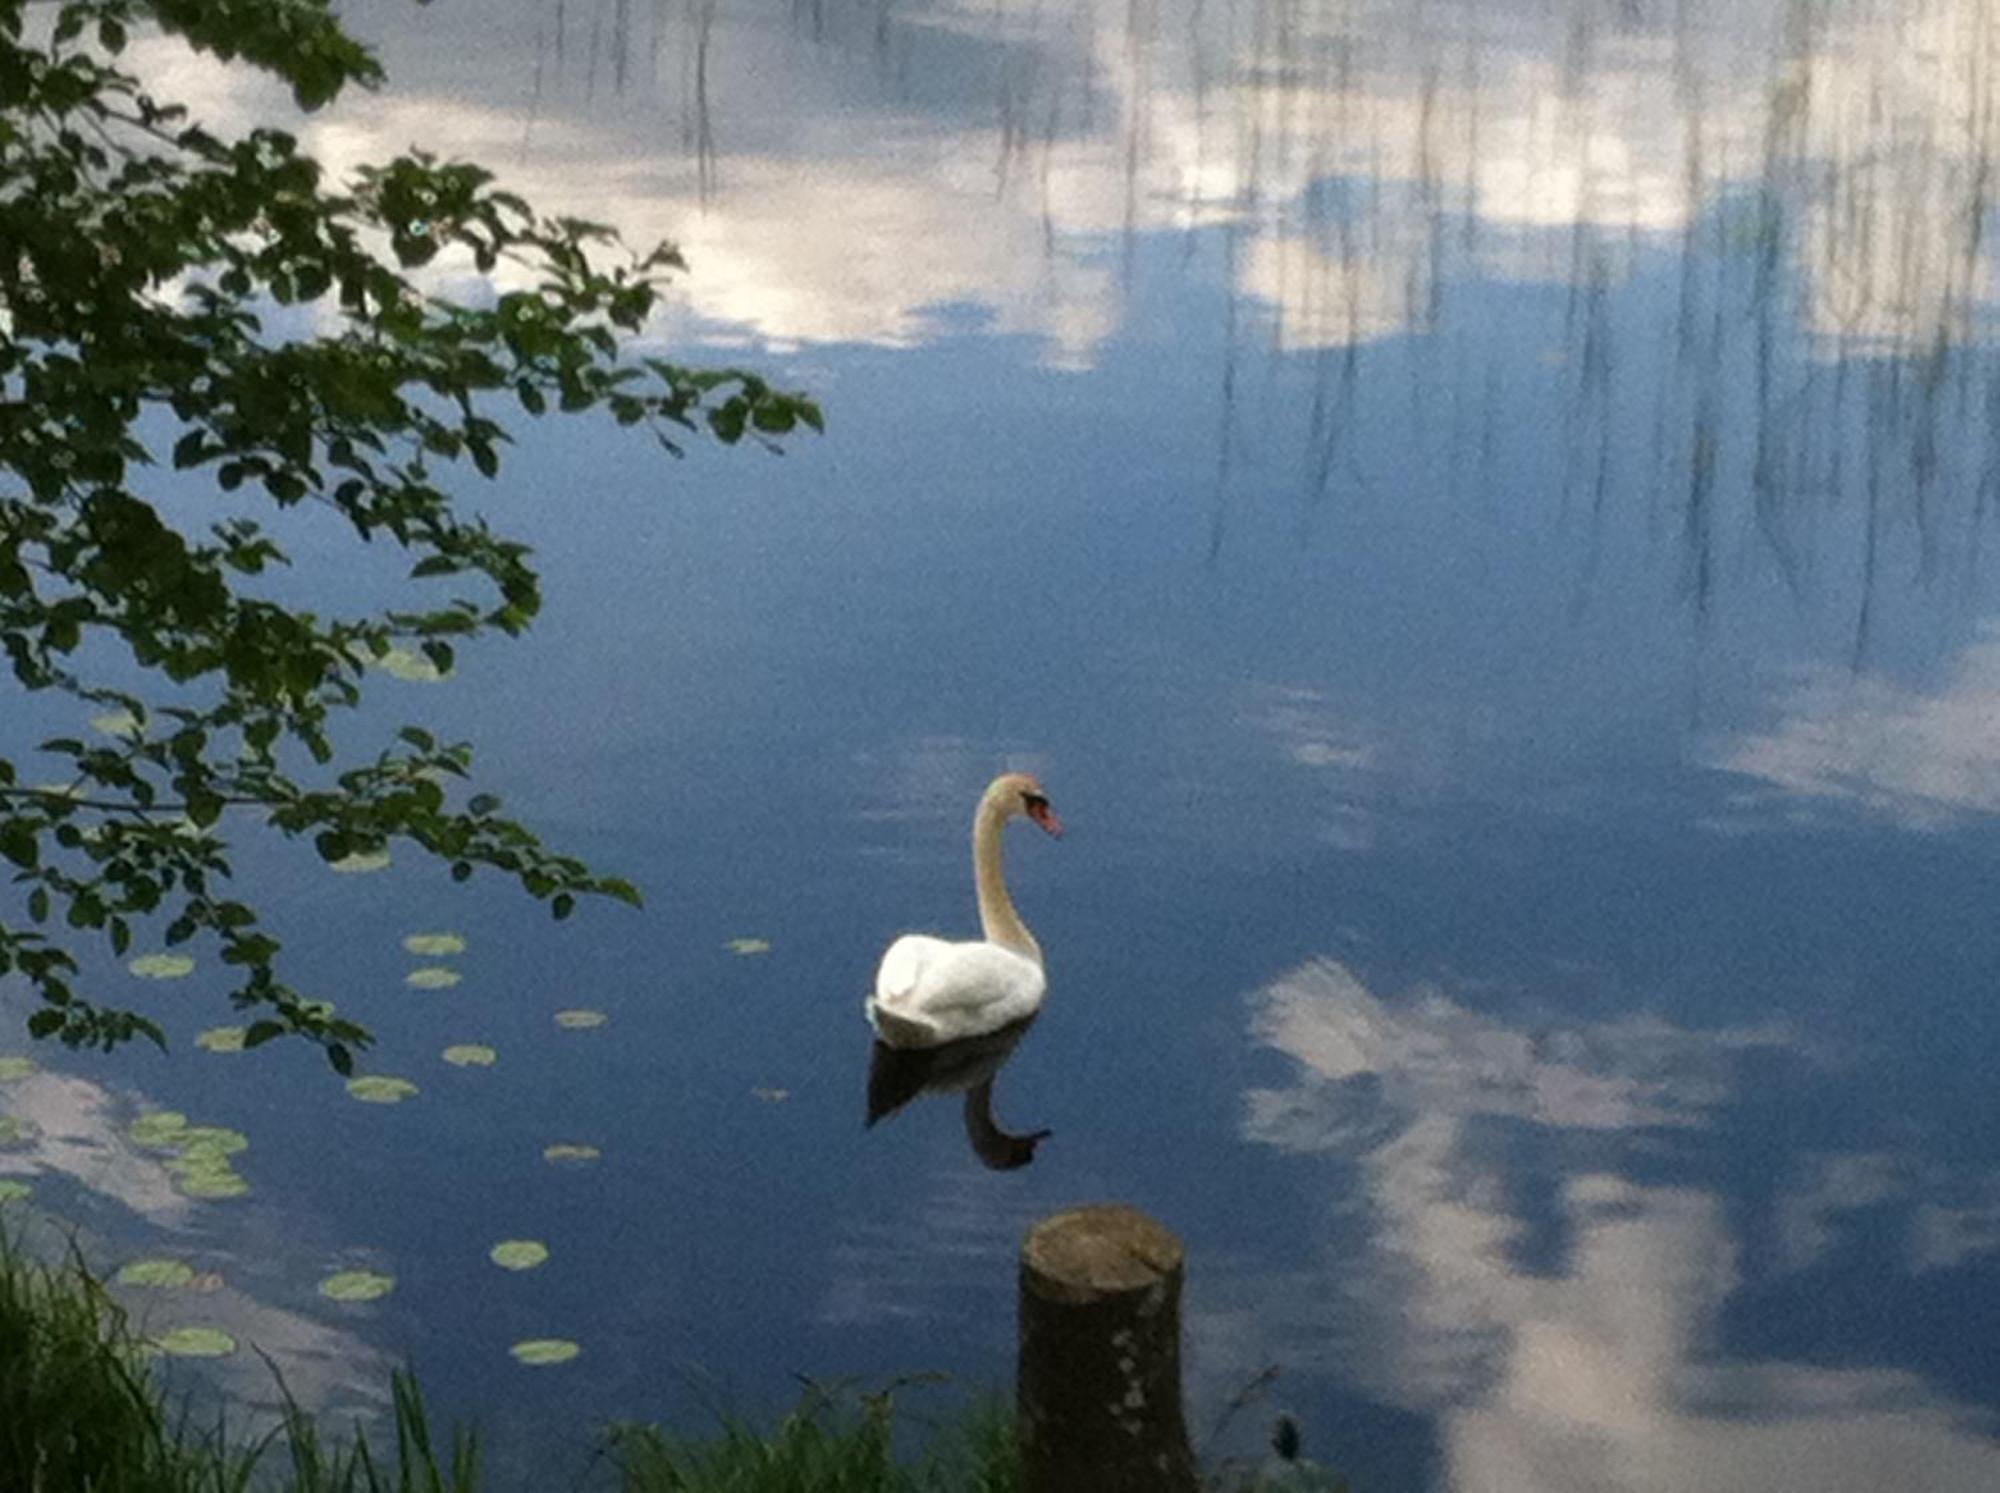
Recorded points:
(772, 1096)
(162, 966)
(212, 1182)
(379, 1088)
(538, 1352)
(15, 1067)
(434, 945)
(564, 1151)
(356, 1285)
(14, 1132)
(12, 1191)
(432, 977)
(518, 1254)
(167, 1275)
(222, 1039)
(578, 1020)
(116, 723)
(470, 1055)
(202, 1141)
(157, 1127)
(360, 861)
(409, 665)
(748, 946)
(195, 1342)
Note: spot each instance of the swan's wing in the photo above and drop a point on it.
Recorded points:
(963, 978)
(903, 965)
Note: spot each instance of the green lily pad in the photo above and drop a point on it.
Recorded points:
(162, 966)
(158, 1127)
(222, 1039)
(432, 977)
(166, 1275)
(539, 1352)
(380, 1088)
(360, 862)
(115, 723)
(357, 1285)
(202, 1141)
(580, 1020)
(409, 665)
(470, 1055)
(12, 1191)
(565, 1151)
(748, 946)
(15, 1067)
(518, 1254)
(195, 1342)
(14, 1132)
(434, 945)
(212, 1183)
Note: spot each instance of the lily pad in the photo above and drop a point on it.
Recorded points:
(12, 1191)
(199, 1142)
(14, 1132)
(357, 1285)
(565, 1151)
(772, 1096)
(748, 946)
(432, 977)
(195, 1342)
(360, 862)
(15, 1067)
(380, 1088)
(162, 966)
(434, 945)
(409, 665)
(158, 1127)
(212, 1182)
(166, 1275)
(539, 1352)
(518, 1254)
(222, 1039)
(580, 1020)
(470, 1055)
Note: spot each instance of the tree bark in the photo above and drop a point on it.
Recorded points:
(1099, 1393)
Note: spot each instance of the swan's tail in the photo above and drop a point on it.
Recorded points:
(898, 1029)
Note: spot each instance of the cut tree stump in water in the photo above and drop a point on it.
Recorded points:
(1100, 1374)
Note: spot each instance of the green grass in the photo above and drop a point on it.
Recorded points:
(834, 1441)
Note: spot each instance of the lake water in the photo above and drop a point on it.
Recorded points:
(1475, 512)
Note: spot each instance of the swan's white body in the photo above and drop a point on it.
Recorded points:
(929, 991)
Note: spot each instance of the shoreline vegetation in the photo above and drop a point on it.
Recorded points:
(81, 1412)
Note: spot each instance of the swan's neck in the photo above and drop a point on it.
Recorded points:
(997, 918)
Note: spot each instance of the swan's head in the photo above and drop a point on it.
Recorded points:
(1020, 793)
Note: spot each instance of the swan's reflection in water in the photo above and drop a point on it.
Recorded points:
(896, 1075)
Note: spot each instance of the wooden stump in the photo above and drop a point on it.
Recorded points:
(1100, 1374)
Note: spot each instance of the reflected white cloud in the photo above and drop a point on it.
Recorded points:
(1922, 758)
(1600, 1368)
(986, 156)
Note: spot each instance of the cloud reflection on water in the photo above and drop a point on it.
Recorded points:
(1604, 1366)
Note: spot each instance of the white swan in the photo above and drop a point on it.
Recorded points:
(929, 991)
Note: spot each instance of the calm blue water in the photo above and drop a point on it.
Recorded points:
(1476, 517)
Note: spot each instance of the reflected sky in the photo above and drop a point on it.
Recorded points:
(1569, 1328)
(1476, 511)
